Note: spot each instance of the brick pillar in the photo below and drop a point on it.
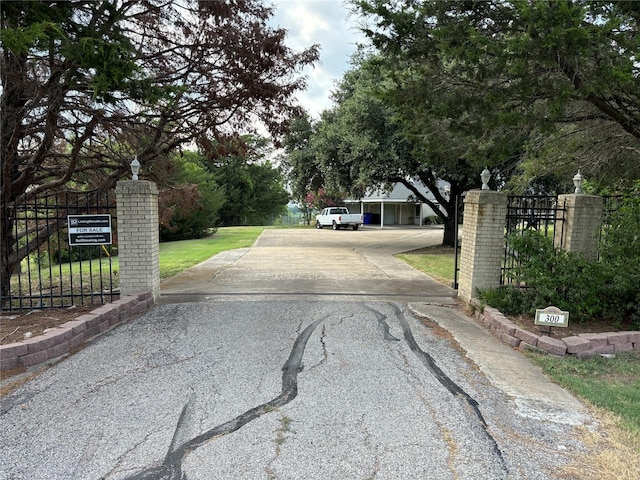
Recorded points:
(483, 240)
(138, 239)
(580, 230)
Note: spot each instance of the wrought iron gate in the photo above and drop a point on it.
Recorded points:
(42, 267)
(530, 212)
(524, 212)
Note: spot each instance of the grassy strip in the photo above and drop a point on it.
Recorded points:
(178, 256)
(613, 386)
(437, 262)
(612, 453)
(52, 280)
(609, 383)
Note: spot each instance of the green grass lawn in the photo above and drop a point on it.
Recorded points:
(609, 383)
(437, 262)
(612, 385)
(178, 256)
(59, 277)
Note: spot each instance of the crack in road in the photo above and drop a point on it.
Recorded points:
(382, 323)
(171, 468)
(323, 346)
(447, 382)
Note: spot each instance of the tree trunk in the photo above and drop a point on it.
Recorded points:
(452, 217)
(449, 238)
(8, 263)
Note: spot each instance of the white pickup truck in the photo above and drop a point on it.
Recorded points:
(338, 217)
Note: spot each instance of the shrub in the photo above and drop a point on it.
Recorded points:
(432, 220)
(508, 299)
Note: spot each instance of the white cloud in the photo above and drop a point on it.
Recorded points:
(308, 25)
(328, 24)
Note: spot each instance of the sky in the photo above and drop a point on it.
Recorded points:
(328, 24)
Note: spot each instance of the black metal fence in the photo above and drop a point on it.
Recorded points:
(611, 204)
(524, 212)
(45, 265)
(541, 213)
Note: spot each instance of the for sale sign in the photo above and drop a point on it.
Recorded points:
(89, 229)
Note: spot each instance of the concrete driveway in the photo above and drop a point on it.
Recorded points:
(315, 263)
(296, 359)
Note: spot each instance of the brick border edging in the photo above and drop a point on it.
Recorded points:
(582, 345)
(73, 333)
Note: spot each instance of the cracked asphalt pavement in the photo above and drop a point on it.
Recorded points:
(283, 361)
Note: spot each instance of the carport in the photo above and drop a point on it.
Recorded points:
(395, 207)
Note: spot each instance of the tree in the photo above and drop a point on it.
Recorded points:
(253, 186)
(603, 153)
(298, 160)
(86, 85)
(190, 202)
(367, 141)
(304, 173)
(526, 65)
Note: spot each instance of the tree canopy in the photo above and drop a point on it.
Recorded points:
(533, 90)
(254, 190)
(526, 65)
(299, 159)
(87, 85)
(367, 140)
(189, 204)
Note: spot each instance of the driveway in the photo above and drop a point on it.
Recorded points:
(295, 359)
(291, 263)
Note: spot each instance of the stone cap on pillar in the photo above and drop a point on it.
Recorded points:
(485, 196)
(137, 186)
